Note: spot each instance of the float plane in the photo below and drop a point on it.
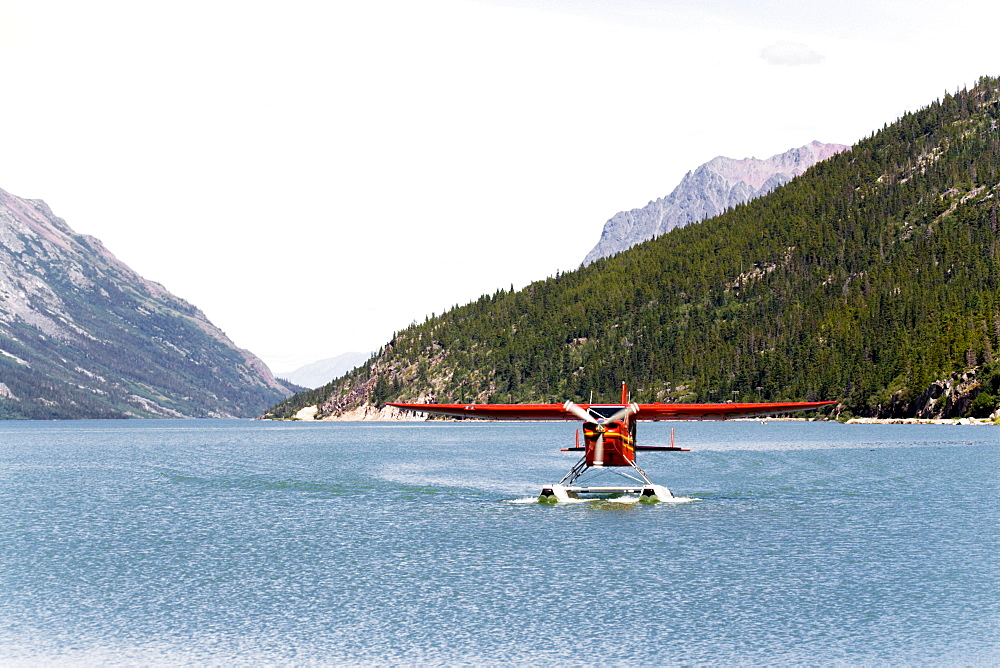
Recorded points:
(609, 436)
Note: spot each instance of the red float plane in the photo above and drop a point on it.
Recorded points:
(609, 435)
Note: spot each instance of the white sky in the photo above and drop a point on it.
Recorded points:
(316, 175)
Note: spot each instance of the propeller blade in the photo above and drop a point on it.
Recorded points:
(599, 451)
(578, 411)
(629, 410)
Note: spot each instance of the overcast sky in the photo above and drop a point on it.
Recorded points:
(316, 175)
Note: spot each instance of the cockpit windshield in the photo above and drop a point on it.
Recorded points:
(605, 411)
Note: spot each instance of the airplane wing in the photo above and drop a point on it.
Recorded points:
(494, 411)
(723, 411)
(646, 411)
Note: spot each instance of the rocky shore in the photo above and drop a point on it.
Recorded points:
(363, 413)
(967, 420)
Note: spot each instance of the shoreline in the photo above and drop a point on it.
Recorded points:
(952, 421)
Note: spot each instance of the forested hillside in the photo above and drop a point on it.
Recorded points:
(864, 280)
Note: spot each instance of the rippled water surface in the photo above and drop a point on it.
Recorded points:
(219, 542)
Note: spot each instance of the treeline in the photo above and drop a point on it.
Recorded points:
(864, 280)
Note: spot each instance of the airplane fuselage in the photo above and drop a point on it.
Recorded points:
(608, 444)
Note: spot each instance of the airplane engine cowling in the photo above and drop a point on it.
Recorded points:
(618, 447)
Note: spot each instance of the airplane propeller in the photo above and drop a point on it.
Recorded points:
(578, 411)
(587, 416)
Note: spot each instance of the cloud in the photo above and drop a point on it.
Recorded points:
(791, 54)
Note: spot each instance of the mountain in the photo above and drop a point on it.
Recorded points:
(84, 336)
(718, 185)
(873, 279)
(322, 372)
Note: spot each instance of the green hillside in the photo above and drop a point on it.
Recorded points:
(865, 280)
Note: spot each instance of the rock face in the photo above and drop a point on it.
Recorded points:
(84, 336)
(947, 398)
(716, 186)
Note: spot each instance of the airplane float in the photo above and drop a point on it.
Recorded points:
(609, 436)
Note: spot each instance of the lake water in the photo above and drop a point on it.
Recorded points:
(221, 542)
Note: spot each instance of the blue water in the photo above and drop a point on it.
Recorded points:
(221, 542)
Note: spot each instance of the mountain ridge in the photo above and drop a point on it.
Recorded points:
(83, 335)
(321, 372)
(705, 192)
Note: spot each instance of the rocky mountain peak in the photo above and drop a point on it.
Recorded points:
(705, 192)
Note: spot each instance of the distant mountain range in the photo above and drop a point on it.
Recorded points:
(322, 372)
(718, 185)
(84, 336)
